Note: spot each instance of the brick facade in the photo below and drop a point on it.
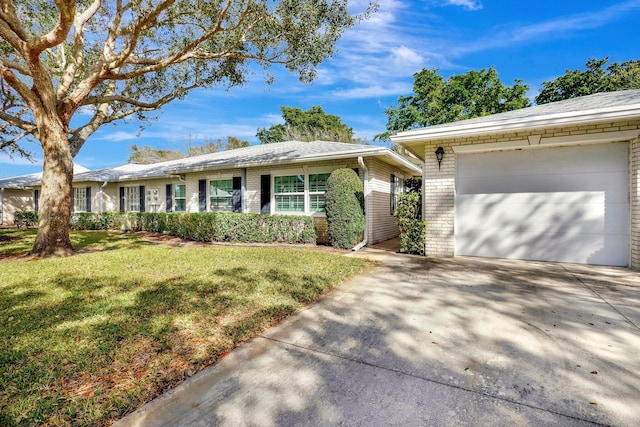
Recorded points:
(439, 185)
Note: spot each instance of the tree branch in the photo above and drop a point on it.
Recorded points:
(56, 36)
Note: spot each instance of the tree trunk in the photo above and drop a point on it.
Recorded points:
(55, 200)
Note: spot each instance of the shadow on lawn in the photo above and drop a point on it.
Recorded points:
(112, 343)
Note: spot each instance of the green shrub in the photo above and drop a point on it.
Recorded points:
(26, 219)
(413, 230)
(205, 226)
(344, 206)
(96, 221)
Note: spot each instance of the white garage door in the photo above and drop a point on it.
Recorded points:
(568, 204)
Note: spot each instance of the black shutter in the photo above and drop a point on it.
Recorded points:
(169, 198)
(202, 195)
(142, 198)
(265, 194)
(36, 200)
(393, 193)
(88, 199)
(121, 199)
(237, 194)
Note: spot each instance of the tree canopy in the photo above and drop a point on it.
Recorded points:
(594, 79)
(311, 125)
(146, 154)
(69, 67)
(464, 96)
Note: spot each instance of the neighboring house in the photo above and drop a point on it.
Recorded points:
(280, 178)
(17, 194)
(554, 182)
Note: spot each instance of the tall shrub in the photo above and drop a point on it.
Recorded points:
(344, 207)
(413, 230)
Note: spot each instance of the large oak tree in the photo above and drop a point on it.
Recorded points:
(115, 59)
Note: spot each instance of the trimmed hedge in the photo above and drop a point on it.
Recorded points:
(344, 204)
(26, 219)
(413, 231)
(205, 226)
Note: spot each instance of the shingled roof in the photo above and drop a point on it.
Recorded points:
(599, 107)
(256, 155)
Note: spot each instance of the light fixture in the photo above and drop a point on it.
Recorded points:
(439, 155)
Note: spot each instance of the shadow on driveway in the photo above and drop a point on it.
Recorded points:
(421, 341)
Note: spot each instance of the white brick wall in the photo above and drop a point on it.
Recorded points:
(439, 185)
(13, 201)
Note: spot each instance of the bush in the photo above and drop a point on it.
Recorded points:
(344, 206)
(206, 226)
(26, 219)
(413, 231)
(96, 221)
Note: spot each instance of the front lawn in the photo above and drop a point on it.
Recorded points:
(87, 339)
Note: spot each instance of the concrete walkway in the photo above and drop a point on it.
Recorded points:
(434, 342)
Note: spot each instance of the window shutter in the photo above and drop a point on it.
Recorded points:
(169, 198)
(88, 199)
(121, 199)
(265, 194)
(202, 195)
(36, 200)
(142, 198)
(392, 192)
(237, 194)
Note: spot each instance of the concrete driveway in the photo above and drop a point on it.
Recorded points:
(435, 342)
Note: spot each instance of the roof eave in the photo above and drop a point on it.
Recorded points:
(413, 138)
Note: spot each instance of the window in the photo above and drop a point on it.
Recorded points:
(180, 198)
(79, 199)
(221, 195)
(289, 193)
(132, 199)
(317, 188)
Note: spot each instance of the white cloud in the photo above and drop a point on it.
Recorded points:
(405, 56)
(469, 4)
(373, 91)
(116, 136)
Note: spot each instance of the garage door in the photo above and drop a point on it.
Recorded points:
(568, 204)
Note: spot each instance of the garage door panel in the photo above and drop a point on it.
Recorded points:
(566, 204)
(560, 247)
(531, 211)
(613, 184)
(547, 161)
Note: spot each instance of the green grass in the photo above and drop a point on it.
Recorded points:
(89, 338)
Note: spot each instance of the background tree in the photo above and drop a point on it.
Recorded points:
(146, 154)
(311, 125)
(594, 79)
(464, 96)
(118, 59)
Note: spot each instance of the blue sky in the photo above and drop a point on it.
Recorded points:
(529, 40)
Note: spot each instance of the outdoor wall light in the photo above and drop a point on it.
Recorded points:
(439, 155)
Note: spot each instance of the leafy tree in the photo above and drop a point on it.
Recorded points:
(463, 96)
(112, 60)
(594, 79)
(311, 125)
(233, 143)
(146, 154)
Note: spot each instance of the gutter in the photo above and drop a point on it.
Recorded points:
(102, 196)
(366, 210)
